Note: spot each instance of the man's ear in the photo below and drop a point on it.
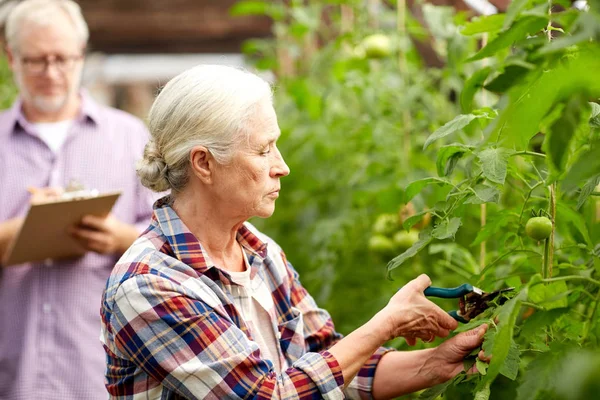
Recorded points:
(202, 163)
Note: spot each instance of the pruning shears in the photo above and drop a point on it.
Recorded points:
(472, 301)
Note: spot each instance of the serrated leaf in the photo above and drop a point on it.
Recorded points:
(567, 214)
(415, 187)
(481, 366)
(458, 123)
(494, 163)
(424, 239)
(510, 368)
(447, 228)
(484, 24)
(482, 393)
(595, 115)
(520, 30)
(448, 156)
(484, 194)
(587, 190)
(503, 337)
(546, 295)
(471, 86)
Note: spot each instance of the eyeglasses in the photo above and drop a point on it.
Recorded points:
(37, 65)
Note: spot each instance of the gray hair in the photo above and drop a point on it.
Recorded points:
(208, 105)
(42, 12)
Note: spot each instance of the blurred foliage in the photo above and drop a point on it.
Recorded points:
(8, 90)
(506, 129)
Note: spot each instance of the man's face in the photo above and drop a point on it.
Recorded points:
(47, 65)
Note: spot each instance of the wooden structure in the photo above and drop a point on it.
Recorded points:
(169, 26)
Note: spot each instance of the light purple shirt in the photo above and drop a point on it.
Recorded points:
(50, 312)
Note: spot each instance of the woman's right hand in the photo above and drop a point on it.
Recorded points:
(411, 315)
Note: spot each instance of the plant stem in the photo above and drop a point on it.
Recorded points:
(403, 67)
(551, 239)
(528, 153)
(482, 246)
(545, 260)
(527, 199)
(570, 278)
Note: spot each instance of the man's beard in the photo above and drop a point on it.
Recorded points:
(43, 104)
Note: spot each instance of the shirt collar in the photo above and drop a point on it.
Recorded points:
(186, 247)
(89, 109)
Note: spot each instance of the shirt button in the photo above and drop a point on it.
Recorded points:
(47, 307)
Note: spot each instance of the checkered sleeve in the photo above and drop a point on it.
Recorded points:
(320, 334)
(193, 348)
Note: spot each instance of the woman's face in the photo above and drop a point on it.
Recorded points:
(249, 185)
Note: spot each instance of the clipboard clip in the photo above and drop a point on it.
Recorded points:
(77, 190)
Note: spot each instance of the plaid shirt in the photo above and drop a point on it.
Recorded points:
(170, 328)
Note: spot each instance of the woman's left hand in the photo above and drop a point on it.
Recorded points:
(447, 359)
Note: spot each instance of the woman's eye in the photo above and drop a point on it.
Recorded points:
(265, 151)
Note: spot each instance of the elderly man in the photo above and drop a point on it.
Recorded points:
(54, 134)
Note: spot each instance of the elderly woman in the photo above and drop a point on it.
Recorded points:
(204, 306)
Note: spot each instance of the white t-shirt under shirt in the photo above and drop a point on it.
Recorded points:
(255, 315)
(53, 134)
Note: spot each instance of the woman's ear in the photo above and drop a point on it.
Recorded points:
(202, 163)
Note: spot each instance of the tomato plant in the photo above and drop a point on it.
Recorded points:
(515, 125)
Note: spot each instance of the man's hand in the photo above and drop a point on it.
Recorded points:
(104, 235)
(447, 359)
(44, 195)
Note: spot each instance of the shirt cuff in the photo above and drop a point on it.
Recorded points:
(324, 371)
(361, 387)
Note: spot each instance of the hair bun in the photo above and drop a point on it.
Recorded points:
(152, 169)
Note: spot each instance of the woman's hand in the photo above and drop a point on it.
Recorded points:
(411, 315)
(448, 358)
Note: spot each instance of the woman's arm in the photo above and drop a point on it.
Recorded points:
(400, 372)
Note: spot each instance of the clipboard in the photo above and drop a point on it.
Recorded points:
(44, 234)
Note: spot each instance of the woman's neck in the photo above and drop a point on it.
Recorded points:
(215, 232)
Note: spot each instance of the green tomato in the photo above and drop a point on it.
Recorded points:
(403, 240)
(385, 224)
(377, 46)
(538, 228)
(381, 244)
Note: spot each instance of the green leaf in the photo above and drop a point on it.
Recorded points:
(458, 123)
(537, 376)
(565, 213)
(558, 138)
(433, 392)
(424, 239)
(520, 30)
(448, 156)
(540, 320)
(494, 162)
(587, 166)
(413, 219)
(447, 228)
(503, 337)
(483, 393)
(495, 225)
(481, 366)
(513, 10)
(510, 368)
(548, 296)
(255, 7)
(485, 24)
(415, 187)
(511, 75)
(595, 117)
(587, 189)
(471, 86)
(484, 194)
(531, 101)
